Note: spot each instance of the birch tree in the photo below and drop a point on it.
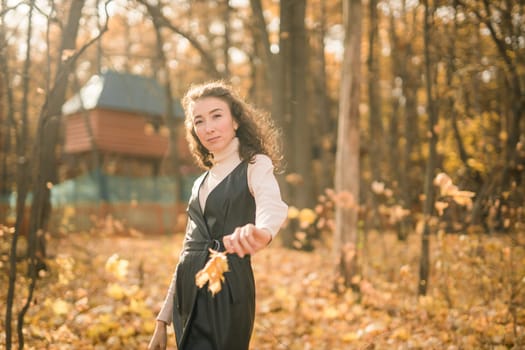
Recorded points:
(347, 156)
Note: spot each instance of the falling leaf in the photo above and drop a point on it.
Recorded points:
(442, 179)
(397, 213)
(117, 267)
(307, 217)
(378, 187)
(297, 244)
(301, 236)
(463, 198)
(440, 207)
(213, 272)
(293, 212)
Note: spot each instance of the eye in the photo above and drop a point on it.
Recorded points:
(197, 122)
(215, 116)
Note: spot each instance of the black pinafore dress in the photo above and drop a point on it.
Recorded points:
(224, 321)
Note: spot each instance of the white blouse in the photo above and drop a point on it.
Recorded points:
(270, 210)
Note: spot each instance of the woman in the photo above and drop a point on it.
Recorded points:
(235, 206)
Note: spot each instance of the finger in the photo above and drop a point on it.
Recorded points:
(226, 241)
(244, 240)
(236, 246)
(229, 241)
(254, 240)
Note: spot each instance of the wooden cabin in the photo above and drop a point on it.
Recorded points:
(114, 131)
(125, 114)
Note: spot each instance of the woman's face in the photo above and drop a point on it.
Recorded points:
(213, 123)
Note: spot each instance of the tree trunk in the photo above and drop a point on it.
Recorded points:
(5, 144)
(169, 113)
(409, 188)
(397, 63)
(282, 105)
(424, 264)
(296, 121)
(303, 195)
(7, 121)
(227, 42)
(285, 58)
(324, 121)
(375, 123)
(44, 158)
(99, 43)
(347, 156)
(21, 185)
(44, 168)
(270, 61)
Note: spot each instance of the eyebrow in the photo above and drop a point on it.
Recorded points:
(210, 112)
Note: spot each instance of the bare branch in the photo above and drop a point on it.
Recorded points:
(70, 60)
(8, 9)
(156, 12)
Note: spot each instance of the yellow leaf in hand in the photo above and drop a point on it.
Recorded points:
(213, 272)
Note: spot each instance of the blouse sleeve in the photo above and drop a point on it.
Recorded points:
(166, 312)
(271, 211)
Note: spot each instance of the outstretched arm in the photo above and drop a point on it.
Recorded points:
(247, 239)
(270, 214)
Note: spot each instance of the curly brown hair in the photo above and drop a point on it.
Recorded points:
(257, 133)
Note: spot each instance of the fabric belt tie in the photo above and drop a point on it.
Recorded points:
(214, 244)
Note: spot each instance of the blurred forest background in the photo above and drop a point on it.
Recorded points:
(404, 141)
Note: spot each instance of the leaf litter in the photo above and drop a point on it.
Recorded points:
(104, 293)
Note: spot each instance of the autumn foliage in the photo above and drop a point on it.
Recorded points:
(103, 292)
(213, 272)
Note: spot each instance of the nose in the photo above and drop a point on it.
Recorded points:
(209, 128)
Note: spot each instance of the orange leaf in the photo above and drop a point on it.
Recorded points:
(213, 272)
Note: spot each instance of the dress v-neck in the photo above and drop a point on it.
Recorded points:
(223, 180)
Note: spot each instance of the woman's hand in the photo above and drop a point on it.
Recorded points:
(159, 340)
(247, 239)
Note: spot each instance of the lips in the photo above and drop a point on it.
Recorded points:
(213, 139)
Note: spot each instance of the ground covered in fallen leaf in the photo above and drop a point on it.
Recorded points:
(103, 292)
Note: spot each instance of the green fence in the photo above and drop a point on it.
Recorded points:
(145, 204)
(97, 187)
